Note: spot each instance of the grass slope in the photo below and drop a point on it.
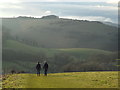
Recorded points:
(15, 45)
(18, 46)
(19, 52)
(63, 80)
(84, 52)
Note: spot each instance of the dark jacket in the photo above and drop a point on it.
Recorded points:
(38, 66)
(45, 66)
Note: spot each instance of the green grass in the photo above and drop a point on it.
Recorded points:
(17, 46)
(63, 80)
(0, 81)
(75, 54)
(82, 52)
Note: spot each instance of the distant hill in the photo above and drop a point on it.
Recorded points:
(111, 24)
(50, 17)
(54, 32)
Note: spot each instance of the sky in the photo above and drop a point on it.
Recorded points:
(92, 10)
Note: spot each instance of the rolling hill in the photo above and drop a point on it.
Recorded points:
(67, 45)
(15, 45)
(54, 32)
(15, 53)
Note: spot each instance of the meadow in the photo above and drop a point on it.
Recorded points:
(63, 80)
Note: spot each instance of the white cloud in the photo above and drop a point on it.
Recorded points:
(9, 6)
(48, 12)
(10, 1)
(90, 18)
(112, 1)
(18, 1)
(106, 7)
(108, 1)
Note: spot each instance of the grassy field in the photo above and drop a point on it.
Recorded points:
(0, 81)
(63, 80)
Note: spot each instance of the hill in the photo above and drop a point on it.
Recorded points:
(67, 45)
(18, 46)
(69, 59)
(63, 80)
(54, 32)
(21, 47)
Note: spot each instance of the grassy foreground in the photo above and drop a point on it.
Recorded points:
(0, 81)
(63, 80)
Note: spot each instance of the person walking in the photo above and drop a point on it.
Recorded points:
(38, 68)
(45, 67)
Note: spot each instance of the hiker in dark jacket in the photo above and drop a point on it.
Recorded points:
(38, 67)
(45, 67)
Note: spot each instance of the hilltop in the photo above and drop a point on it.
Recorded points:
(50, 17)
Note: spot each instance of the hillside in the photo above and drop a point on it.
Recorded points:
(63, 80)
(15, 53)
(54, 32)
(18, 46)
(67, 45)
(21, 47)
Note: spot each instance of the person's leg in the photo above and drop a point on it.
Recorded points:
(45, 72)
(39, 72)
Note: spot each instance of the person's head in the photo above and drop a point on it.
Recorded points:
(45, 61)
(38, 62)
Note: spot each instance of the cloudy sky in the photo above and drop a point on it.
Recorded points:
(93, 10)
